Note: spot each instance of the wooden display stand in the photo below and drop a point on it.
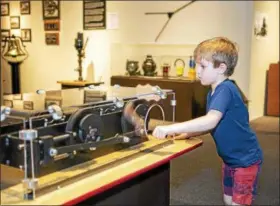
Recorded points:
(69, 84)
(190, 94)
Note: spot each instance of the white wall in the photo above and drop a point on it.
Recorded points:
(192, 25)
(205, 19)
(264, 52)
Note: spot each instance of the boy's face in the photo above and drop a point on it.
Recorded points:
(206, 72)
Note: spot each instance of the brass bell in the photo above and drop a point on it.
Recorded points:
(13, 50)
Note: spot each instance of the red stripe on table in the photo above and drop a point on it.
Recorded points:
(128, 177)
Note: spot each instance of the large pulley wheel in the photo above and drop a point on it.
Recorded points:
(82, 122)
(140, 107)
(91, 128)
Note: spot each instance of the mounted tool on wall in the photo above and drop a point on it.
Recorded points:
(170, 15)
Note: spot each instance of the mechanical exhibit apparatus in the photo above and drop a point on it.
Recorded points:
(56, 138)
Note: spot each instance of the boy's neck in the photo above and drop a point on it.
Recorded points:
(216, 83)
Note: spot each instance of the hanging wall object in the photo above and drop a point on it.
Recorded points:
(51, 9)
(260, 25)
(52, 25)
(5, 9)
(8, 103)
(26, 35)
(28, 105)
(24, 7)
(15, 22)
(4, 33)
(52, 38)
(94, 14)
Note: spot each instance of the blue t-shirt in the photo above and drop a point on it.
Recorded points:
(236, 143)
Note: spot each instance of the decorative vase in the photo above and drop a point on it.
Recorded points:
(132, 67)
(149, 66)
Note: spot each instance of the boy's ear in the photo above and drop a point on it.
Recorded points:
(222, 68)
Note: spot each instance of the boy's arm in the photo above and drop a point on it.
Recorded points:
(200, 124)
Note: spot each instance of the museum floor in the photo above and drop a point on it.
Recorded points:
(195, 177)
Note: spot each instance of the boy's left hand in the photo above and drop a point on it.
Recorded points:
(161, 132)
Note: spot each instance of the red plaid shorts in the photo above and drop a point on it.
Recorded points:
(241, 183)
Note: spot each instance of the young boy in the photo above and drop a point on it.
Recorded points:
(227, 119)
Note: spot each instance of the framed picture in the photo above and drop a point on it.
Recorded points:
(5, 9)
(5, 33)
(51, 9)
(28, 105)
(8, 103)
(14, 22)
(52, 38)
(26, 35)
(52, 25)
(94, 14)
(260, 25)
(24, 7)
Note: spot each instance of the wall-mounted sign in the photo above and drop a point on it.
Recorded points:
(94, 13)
(28, 105)
(52, 38)
(51, 25)
(15, 22)
(26, 35)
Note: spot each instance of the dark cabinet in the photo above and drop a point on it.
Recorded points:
(190, 95)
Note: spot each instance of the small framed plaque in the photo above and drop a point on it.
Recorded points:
(15, 22)
(4, 34)
(94, 14)
(8, 103)
(52, 38)
(26, 35)
(24, 7)
(28, 105)
(5, 9)
(51, 25)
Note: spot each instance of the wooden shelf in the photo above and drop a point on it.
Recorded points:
(65, 84)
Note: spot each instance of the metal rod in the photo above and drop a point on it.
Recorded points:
(20, 118)
(61, 137)
(174, 107)
(162, 29)
(187, 4)
(37, 117)
(152, 13)
(32, 166)
(147, 114)
(25, 160)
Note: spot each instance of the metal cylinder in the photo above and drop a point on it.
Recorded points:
(61, 137)
(28, 134)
